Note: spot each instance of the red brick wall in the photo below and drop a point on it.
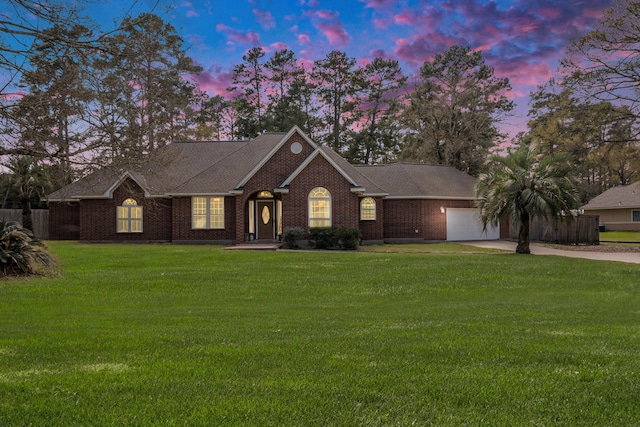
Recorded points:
(182, 229)
(98, 217)
(320, 173)
(419, 218)
(273, 173)
(374, 230)
(64, 221)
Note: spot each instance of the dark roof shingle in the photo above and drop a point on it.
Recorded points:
(219, 167)
(416, 180)
(624, 196)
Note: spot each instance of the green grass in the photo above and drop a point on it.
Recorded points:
(195, 335)
(620, 236)
(429, 248)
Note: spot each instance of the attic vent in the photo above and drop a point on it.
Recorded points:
(296, 148)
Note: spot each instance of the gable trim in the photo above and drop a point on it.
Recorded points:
(271, 153)
(109, 193)
(319, 151)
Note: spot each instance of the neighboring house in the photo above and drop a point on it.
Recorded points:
(234, 192)
(618, 208)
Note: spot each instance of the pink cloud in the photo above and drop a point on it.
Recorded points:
(265, 18)
(379, 4)
(191, 12)
(326, 14)
(405, 17)
(523, 73)
(245, 37)
(303, 39)
(306, 63)
(279, 46)
(330, 26)
(335, 33)
(381, 24)
(215, 81)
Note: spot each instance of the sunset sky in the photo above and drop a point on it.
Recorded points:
(522, 39)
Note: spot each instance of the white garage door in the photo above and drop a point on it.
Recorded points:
(464, 224)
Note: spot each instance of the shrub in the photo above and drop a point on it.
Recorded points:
(348, 238)
(323, 238)
(19, 251)
(292, 236)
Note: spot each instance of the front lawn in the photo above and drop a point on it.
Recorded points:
(195, 335)
(620, 236)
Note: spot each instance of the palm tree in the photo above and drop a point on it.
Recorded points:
(28, 179)
(523, 185)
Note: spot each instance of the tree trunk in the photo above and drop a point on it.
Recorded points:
(27, 221)
(523, 235)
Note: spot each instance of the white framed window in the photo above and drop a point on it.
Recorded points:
(319, 208)
(207, 212)
(368, 209)
(635, 216)
(129, 217)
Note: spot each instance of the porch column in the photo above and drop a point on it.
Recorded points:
(240, 214)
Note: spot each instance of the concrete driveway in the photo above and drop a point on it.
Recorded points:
(630, 257)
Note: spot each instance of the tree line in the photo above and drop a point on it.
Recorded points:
(77, 98)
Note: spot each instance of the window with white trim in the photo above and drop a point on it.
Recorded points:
(368, 209)
(635, 216)
(129, 217)
(207, 212)
(319, 208)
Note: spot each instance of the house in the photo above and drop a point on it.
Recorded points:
(231, 192)
(618, 208)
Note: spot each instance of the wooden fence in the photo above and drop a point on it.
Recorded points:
(40, 220)
(581, 230)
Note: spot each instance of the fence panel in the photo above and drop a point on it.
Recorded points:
(580, 231)
(40, 220)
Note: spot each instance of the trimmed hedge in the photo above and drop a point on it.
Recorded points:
(332, 238)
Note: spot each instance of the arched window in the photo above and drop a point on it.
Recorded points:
(368, 209)
(129, 217)
(319, 207)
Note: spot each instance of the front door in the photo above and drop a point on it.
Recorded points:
(265, 219)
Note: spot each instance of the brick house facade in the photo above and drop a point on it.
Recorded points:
(237, 191)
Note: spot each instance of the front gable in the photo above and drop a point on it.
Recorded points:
(290, 152)
(319, 153)
(320, 172)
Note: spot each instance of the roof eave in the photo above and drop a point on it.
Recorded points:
(430, 198)
(600, 208)
(205, 193)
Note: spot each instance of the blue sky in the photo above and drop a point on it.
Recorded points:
(522, 39)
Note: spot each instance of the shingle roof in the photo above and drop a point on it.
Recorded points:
(624, 196)
(181, 168)
(224, 172)
(220, 167)
(362, 180)
(416, 180)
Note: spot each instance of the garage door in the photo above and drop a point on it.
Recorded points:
(464, 224)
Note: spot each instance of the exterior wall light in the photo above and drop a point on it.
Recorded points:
(441, 209)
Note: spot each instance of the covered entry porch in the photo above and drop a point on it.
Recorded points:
(263, 214)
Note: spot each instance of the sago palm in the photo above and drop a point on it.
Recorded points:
(521, 186)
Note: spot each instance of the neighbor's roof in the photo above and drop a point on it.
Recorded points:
(622, 197)
(420, 181)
